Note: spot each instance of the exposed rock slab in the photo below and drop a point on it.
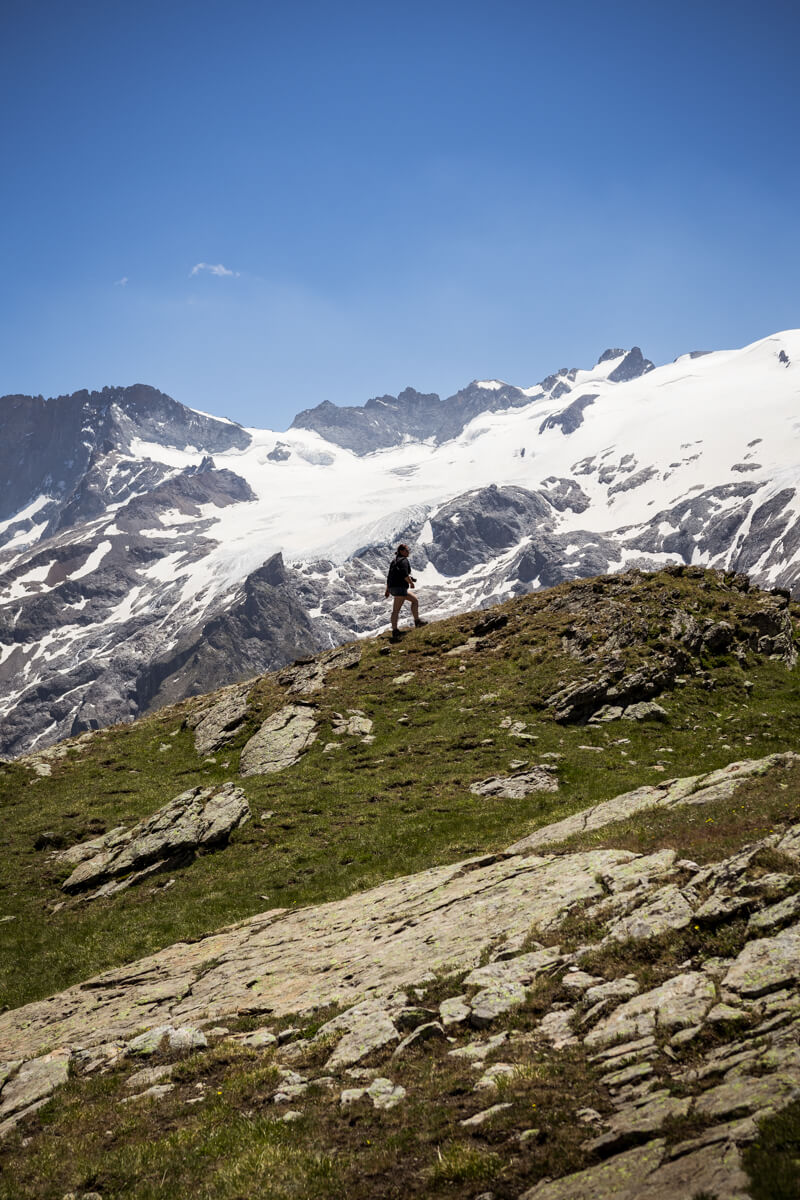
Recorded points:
(198, 819)
(696, 789)
(514, 787)
(281, 741)
(302, 678)
(766, 964)
(676, 1004)
(30, 1085)
(619, 1179)
(283, 961)
(220, 723)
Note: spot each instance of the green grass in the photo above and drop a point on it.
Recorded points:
(773, 1162)
(346, 820)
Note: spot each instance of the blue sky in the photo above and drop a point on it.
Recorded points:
(416, 194)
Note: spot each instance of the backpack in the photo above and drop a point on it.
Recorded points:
(395, 578)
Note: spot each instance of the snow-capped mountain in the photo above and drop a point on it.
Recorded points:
(149, 552)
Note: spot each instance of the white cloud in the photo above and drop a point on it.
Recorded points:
(121, 282)
(212, 268)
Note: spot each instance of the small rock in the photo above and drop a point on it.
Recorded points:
(291, 1114)
(367, 1028)
(184, 1037)
(680, 1002)
(492, 1074)
(147, 1077)
(486, 1115)
(152, 1093)
(647, 710)
(725, 1014)
(557, 1028)
(529, 1137)
(256, 1039)
(515, 787)
(615, 989)
(384, 1094)
(632, 1074)
(406, 677)
(776, 916)
(423, 1033)
(454, 1011)
(478, 1051)
(684, 1036)
(766, 965)
(280, 742)
(746, 1094)
(494, 1001)
(579, 981)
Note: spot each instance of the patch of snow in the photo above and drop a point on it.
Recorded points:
(25, 513)
(93, 561)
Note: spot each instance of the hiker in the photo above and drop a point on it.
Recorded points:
(398, 583)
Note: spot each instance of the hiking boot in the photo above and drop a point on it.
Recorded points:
(396, 636)
(418, 623)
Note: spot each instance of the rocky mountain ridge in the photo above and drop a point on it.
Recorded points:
(412, 415)
(167, 552)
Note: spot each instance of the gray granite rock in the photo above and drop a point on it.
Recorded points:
(454, 1011)
(645, 710)
(303, 678)
(354, 724)
(368, 1028)
(697, 789)
(220, 723)
(514, 787)
(431, 1031)
(676, 1004)
(747, 1094)
(478, 1050)
(280, 742)
(199, 819)
(766, 965)
(668, 908)
(776, 916)
(715, 1170)
(495, 1001)
(184, 1037)
(480, 1118)
(30, 1085)
(621, 1178)
(635, 1120)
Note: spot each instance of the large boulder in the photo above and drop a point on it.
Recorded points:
(280, 741)
(198, 819)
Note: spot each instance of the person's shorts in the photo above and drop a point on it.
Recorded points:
(399, 591)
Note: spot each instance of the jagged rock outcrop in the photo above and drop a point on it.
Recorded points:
(199, 819)
(215, 727)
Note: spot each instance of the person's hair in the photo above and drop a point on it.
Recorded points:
(402, 551)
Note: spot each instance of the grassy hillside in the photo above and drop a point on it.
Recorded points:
(345, 818)
(348, 818)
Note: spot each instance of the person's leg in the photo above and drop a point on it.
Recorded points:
(415, 609)
(398, 604)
